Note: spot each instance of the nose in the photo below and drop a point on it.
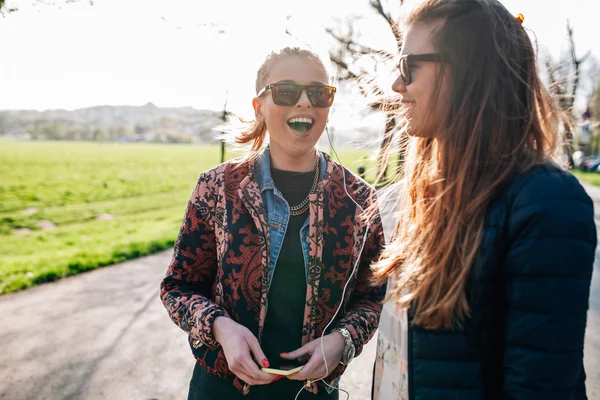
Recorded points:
(303, 101)
(398, 86)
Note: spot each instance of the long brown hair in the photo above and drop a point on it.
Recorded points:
(499, 122)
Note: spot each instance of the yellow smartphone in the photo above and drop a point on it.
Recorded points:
(285, 369)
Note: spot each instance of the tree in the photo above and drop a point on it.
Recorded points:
(97, 135)
(3, 130)
(7, 9)
(4, 9)
(165, 125)
(565, 78)
(593, 108)
(349, 56)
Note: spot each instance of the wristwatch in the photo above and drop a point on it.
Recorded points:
(349, 349)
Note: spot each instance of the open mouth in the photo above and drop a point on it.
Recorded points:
(409, 104)
(301, 125)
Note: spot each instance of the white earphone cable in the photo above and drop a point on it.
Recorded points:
(347, 282)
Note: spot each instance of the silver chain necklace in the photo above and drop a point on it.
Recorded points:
(302, 207)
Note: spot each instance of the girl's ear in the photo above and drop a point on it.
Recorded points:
(257, 109)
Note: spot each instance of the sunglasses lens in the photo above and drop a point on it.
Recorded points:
(286, 95)
(404, 72)
(321, 96)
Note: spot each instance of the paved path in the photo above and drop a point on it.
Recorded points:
(592, 338)
(105, 335)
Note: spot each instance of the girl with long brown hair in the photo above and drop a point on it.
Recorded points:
(489, 268)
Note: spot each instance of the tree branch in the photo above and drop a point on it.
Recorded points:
(354, 47)
(367, 87)
(576, 64)
(376, 4)
(5, 10)
(571, 42)
(551, 69)
(341, 64)
(585, 57)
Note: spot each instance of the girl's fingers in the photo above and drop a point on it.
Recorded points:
(292, 355)
(314, 368)
(252, 369)
(257, 352)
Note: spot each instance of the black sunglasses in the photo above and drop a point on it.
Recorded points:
(288, 94)
(407, 60)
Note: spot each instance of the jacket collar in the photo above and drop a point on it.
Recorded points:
(262, 169)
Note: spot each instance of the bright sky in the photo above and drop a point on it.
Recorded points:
(190, 53)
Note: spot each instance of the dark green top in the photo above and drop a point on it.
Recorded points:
(287, 294)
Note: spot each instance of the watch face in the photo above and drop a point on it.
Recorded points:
(348, 355)
(351, 354)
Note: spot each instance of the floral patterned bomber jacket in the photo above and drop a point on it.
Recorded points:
(220, 264)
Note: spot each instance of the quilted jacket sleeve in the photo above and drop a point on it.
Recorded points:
(550, 256)
(186, 289)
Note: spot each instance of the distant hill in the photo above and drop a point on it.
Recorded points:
(144, 123)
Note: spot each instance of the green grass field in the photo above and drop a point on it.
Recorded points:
(69, 207)
(589, 177)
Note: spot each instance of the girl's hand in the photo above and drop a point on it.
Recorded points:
(333, 344)
(239, 345)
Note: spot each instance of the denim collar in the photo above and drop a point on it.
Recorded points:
(263, 170)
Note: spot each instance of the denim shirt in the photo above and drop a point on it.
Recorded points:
(277, 210)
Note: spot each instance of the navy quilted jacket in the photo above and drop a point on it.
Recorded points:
(529, 294)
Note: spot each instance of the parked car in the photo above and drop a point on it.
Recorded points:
(594, 166)
(590, 165)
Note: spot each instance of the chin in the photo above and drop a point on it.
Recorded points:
(300, 149)
(420, 133)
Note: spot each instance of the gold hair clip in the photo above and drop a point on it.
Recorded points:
(520, 17)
